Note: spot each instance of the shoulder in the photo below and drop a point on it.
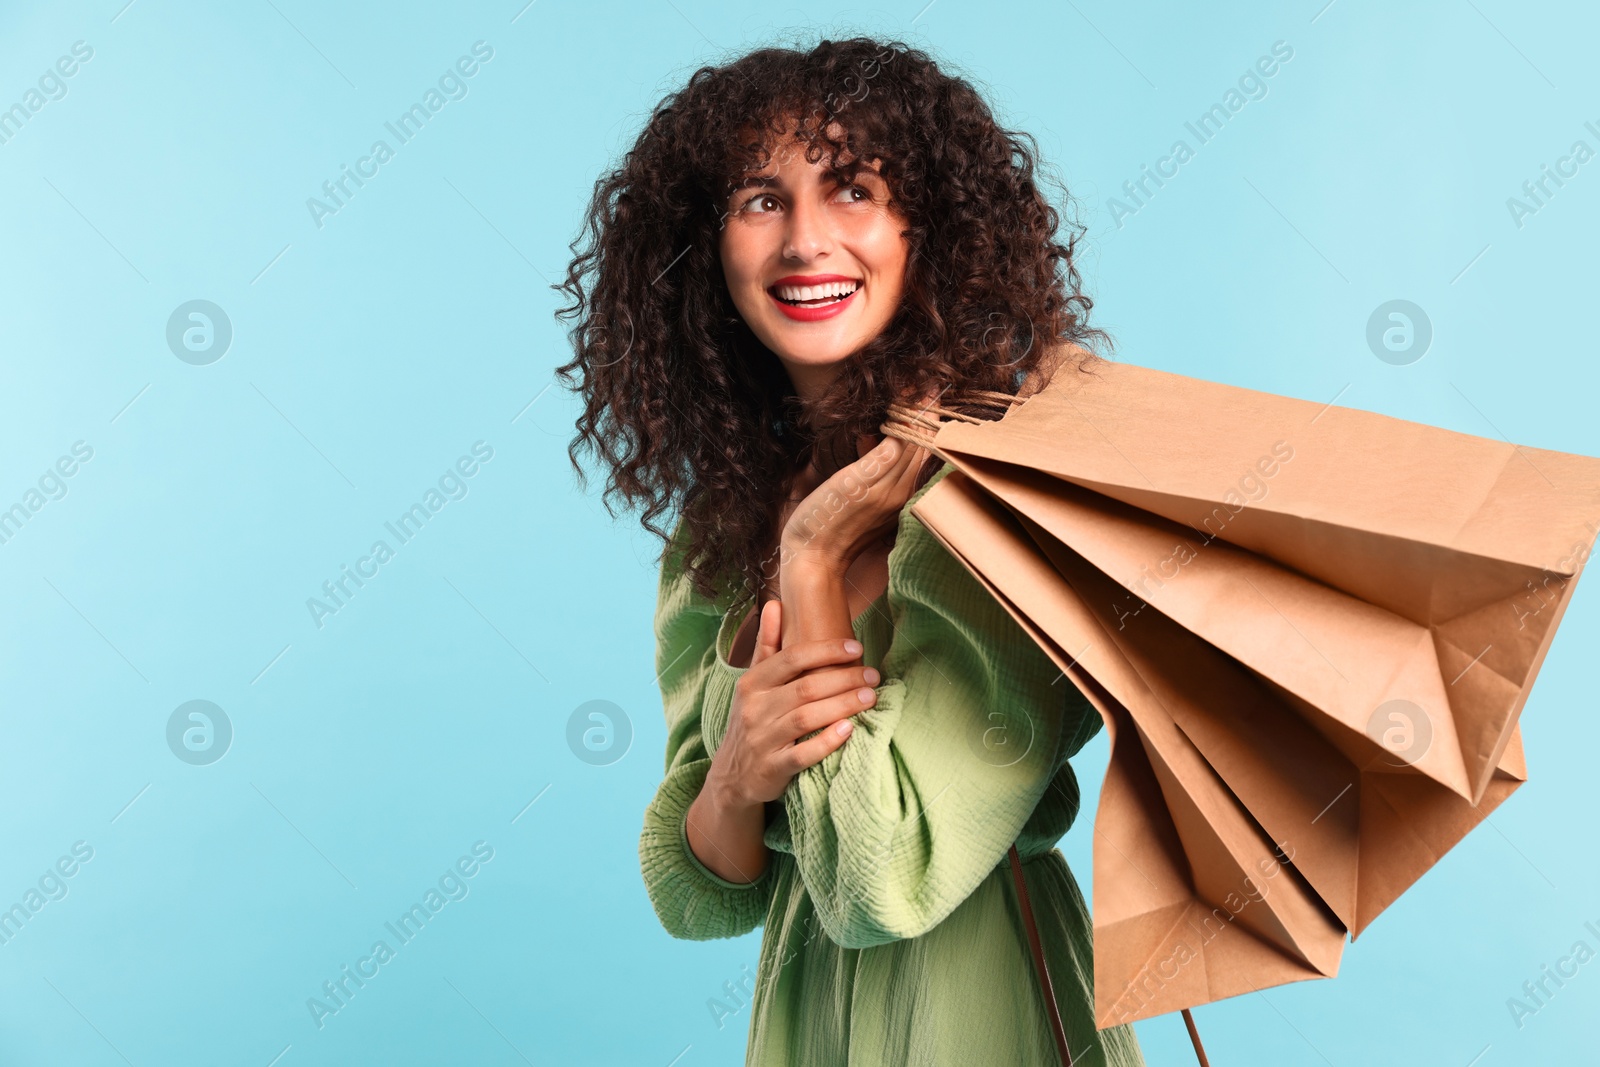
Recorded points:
(674, 584)
(923, 572)
(931, 590)
(914, 543)
(951, 628)
(683, 617)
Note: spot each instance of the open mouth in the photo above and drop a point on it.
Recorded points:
(814, 296)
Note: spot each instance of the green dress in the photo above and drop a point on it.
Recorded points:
(892, 932)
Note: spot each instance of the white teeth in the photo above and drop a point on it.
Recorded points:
(816, 292)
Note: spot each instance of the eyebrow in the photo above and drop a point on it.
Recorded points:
(760, 181)
(765, 181)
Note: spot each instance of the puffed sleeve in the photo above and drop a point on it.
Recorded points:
(896, 827)
(690, 900)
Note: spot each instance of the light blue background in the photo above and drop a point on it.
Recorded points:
(369, 353)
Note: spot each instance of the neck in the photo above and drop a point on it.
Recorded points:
(811, 383)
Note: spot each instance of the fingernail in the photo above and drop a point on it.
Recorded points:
(843, 727)
(853, 648)
(871, 675)
(865, 695)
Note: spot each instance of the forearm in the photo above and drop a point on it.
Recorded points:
(815, 604)
(725, 834)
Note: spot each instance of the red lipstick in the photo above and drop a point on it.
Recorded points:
(812, 312)
(813, 279)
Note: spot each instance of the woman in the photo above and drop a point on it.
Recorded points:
(795, 240)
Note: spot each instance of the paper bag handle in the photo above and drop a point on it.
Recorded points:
(1039, 967)
(913, 424)
(1045, 986)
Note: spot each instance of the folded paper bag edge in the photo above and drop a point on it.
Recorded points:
(1207, 441)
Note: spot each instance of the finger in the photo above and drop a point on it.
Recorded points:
(820, 713)
(789, 663)
(769, 631)
(919, 457)
(906, 459)
(813, 750)
(893, 472)
(822, 684)
(881, 460)
(912, 460)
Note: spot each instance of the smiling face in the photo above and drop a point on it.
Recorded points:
(815, 266)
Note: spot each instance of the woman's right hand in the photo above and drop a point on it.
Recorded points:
(775, 708)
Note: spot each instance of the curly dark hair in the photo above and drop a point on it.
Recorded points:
(685, 405)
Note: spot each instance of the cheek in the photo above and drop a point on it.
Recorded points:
(739, 265)
(891, 254)
(732, 258)
(902, 257)
(743, 258)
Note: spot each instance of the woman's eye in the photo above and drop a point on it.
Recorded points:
(853, 194)
(761, 203)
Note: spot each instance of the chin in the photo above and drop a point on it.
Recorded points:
(815, 353)
(810, 346)
(810, 357)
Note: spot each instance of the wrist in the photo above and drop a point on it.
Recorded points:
(807, 562)
(722, 795)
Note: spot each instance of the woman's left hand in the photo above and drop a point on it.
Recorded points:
(840, 518)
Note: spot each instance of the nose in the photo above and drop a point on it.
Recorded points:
(808, 236)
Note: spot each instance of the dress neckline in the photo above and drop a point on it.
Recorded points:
(723, 642)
